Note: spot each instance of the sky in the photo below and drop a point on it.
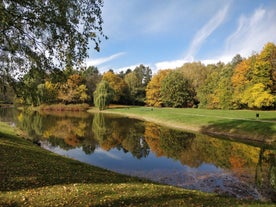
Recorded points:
(164, 34)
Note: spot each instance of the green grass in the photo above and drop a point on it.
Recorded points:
(32, 176)
(241, 124)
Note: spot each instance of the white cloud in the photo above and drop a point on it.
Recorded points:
(206, 31)
(132, 67)
(169, 64)
(252, 33)
(100, 61)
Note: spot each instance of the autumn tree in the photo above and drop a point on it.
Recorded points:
(73, 91)
(241, 78)
(254, 80)
(118, 85)
(103, 95)
(153, 89)
(48, 34)
(47, 92)
(258, 97)
(176, 90)
(196, 72)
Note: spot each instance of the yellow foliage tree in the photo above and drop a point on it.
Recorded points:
(153, 90)
(117, 84)
(73, 91)
(258, 97)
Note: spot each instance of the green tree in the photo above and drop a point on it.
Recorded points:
(223, 90)
(137, 81)
(206, 91)
(91, 78)
(48, 34)
(268, 58)
(27, 87)
(176, 90)
(103, 95)
(6, 90)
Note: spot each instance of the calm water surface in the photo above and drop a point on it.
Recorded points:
(144, 149)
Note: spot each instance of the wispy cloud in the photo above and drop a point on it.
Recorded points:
(252, 32)
(100, 61)
(108, 154)
(205, 32)
(198, 40)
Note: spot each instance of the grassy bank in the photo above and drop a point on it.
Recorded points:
(240, 124)
(32, 176)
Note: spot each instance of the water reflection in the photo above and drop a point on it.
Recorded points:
(134, 147)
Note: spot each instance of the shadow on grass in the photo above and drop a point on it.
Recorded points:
(242, 130)
(24, 165)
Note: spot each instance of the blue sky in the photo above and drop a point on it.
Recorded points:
(165, 34)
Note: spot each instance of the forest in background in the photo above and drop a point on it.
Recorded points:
(243, 83)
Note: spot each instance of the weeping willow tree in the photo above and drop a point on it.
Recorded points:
(103, 95)
(99, 127)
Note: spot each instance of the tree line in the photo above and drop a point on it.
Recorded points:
(244, 83)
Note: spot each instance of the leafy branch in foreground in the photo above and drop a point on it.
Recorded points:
(47, 34)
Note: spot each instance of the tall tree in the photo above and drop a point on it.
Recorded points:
(27, 87)
(153, 90)
(73, 91)
(176, 90)
(91, 77)
(47, 34)
(206, 91)
(241, 79)
(137, 81)
(196, 72)
(118, 85)
(103, 95)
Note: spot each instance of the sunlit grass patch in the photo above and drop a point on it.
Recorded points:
(241, 124)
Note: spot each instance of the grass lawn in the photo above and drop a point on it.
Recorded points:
(32, 176)
(241, 124)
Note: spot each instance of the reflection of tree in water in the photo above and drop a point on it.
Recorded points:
(174, 142)
(195, 149)
(98, 127)
(265, 176)
(121, 133)
(272, 175)
(168, 142)
(32, 123)
(65, 132)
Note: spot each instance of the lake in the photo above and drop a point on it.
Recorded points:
(147, 150)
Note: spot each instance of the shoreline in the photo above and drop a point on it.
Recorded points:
(230, 134)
